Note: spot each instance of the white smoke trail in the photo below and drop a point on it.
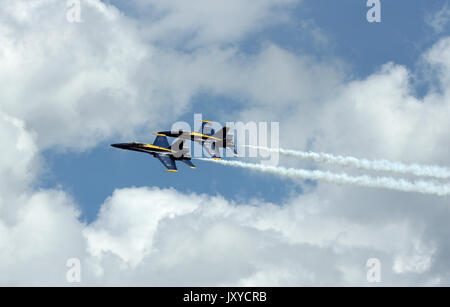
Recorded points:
(424, 187)
(376, 165)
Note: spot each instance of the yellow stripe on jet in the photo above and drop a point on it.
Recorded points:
(204, 135)
(157, 147)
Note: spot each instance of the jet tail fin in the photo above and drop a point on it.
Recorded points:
(206, 123)
(225, 140)
(161, 141)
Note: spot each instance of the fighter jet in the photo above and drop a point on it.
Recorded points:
(167, 154)
(216, 140)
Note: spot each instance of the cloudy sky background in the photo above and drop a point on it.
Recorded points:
(334, 82)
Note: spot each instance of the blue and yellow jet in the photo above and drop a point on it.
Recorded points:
(217, 140)
(160, 149)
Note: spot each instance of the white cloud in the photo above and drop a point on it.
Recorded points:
(208, 240)
(39, 230)
(78, 83)
(201, 22)
(71, 83)
(416, 261)
(127, 237)
(18, 162)
(377, 117)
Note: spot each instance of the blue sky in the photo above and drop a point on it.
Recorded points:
(402, 36)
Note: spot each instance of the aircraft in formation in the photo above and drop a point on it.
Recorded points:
(206, 136)
(169, 154)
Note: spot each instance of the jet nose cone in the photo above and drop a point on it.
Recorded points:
(121, 145)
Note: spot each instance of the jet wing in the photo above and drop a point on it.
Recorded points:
(168, 162)
(204, 124)
(189, 163)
